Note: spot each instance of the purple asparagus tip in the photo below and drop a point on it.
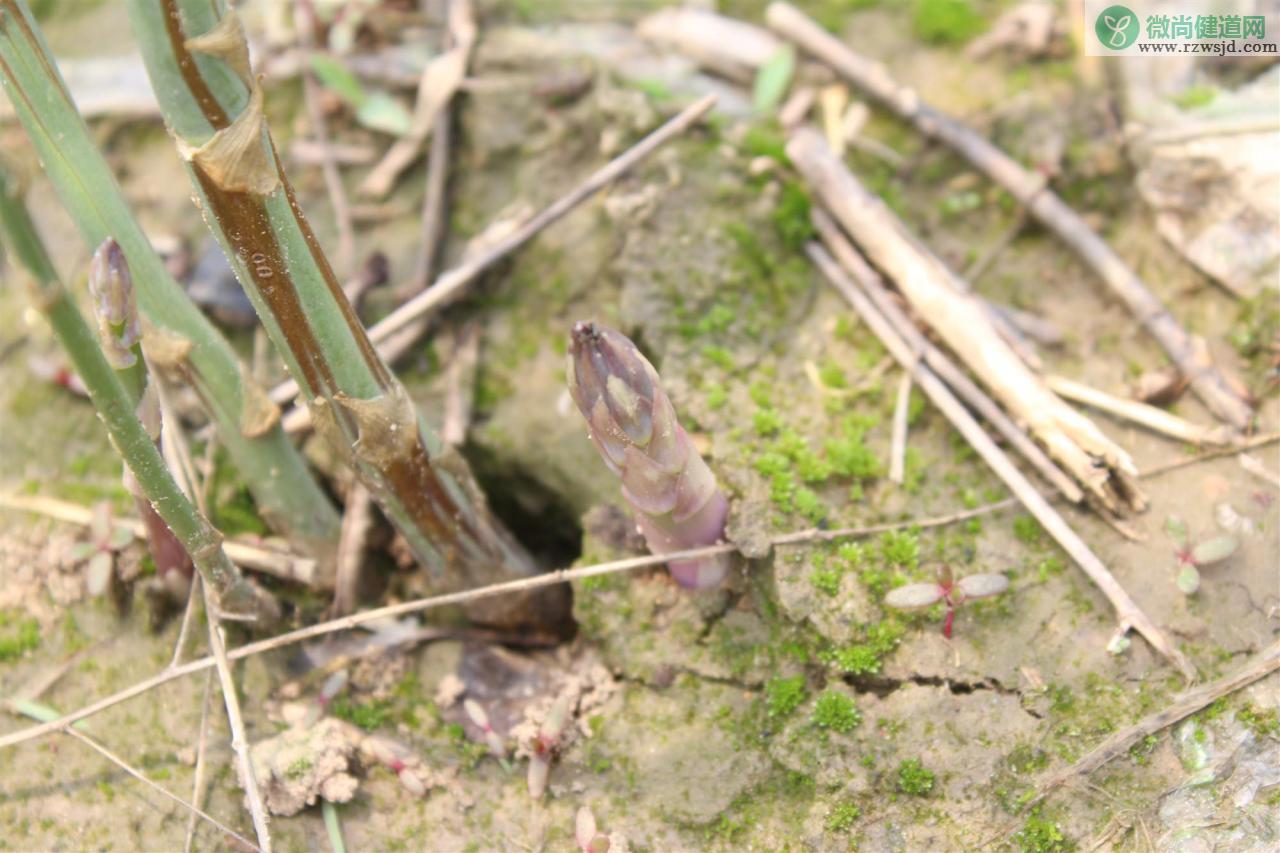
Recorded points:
(678, 504)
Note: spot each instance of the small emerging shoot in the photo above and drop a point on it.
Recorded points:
(678, 504)
(477, 714)
(1191, 557)
(589, 839)
(916, 596)
(115, 305)
(547, 744)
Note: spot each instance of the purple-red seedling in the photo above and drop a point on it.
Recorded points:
(916, 596)
(1191, 557)
(400, 760)
(106, 539)
(632, 423)
(54, 369)
(477, 714)
(547, 743)
(589, 839)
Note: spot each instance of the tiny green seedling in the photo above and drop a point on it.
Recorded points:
(916, 596)
(1191, 557)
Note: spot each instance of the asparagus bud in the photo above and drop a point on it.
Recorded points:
(114, 304)
(633, 425)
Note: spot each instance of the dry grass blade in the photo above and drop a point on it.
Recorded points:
(239, 739)
(197, 781)
(30, 709)
(440, 80)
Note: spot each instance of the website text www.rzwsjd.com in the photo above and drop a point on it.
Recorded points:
(1218, 48)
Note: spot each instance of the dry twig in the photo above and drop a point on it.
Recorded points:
(1265, 663)
(938, 361)
(898, 447)
(1029, 189)
(270, 561)
(440, 79)
(357, 524)
(197, 779)
(1072, 440)
(1156, 420)
(461, 377)
(1128, 614)
(306, 25)
(461, 29)
(136, 774)
(239, 739)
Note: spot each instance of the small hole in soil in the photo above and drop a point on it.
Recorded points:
(536, 515)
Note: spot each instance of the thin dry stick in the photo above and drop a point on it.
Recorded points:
(188, 617)
(124, 765)
(395, 610)
(1101, 466)
(461, 377)
(1029, 189)
(1265, 663)
(1257, 468)
(197, 780)
(1128, 613)
(939, 362)
(440, 80)
(461, 28)
(357, 524)
(454, 283)
(1156, 420)
(898, 447)
(270, 561)
(239, 740)
(320, 130)
(1239, 447)
(983, 262)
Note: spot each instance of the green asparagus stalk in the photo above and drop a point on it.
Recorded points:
(286, 493)
(197, 58)
(117, 407)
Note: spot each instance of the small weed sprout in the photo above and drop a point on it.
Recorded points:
(1191, 557)
(476, 713)
(920, 595)
(589, 839)
(106, 540)
(914, 779)
(546, 744)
